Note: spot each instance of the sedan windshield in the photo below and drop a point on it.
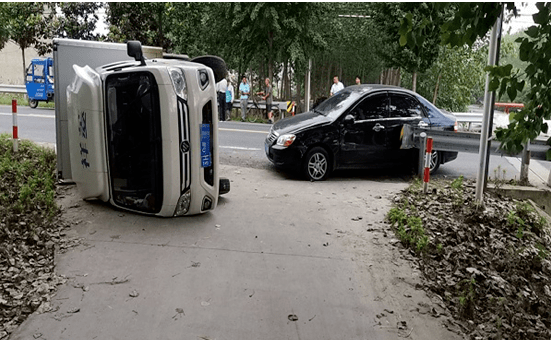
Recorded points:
(335, 105)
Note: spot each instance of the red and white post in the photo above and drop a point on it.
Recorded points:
(426, 175)
(15, 132)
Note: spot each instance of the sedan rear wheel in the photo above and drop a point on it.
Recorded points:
(316, 164)
(434, 161)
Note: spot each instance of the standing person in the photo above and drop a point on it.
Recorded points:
(267, 96)
(336, 87)
(244, 90)
(358, 80)
(229, 100)
(221, 88)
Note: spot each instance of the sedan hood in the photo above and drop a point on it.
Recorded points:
(300, 122)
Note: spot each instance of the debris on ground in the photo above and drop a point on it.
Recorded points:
(490, 265)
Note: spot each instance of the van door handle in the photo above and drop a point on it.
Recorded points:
(378, 127)
(423, 124)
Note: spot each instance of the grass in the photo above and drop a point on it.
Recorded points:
(6, 98)
(409, 229)
(28, 178)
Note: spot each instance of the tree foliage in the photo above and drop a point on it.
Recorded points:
(144, 21)
(78, 20)
(4, 32)
(28, 25)
(473, 21)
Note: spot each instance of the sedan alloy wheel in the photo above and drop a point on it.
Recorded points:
(316, 165)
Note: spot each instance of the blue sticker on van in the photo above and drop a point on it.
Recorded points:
(206, 159)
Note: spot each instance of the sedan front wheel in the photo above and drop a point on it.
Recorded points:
(316, 165)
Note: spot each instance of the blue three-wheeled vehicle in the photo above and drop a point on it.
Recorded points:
(40, 81)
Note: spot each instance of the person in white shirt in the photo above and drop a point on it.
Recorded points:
(336, 87)
(221, 88)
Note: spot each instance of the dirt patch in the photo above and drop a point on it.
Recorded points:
(489, 265)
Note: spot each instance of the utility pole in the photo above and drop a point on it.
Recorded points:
(307, 87)
(487, 119)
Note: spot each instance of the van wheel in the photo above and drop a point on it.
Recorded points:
(217, 64)
(33, 103)
(434, 161)
(316, 166)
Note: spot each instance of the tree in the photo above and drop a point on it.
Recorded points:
(474, 20)
(146, 22)
(454, 79)
(4, 32)
(420, 54)
(29, 26)
(78, 20)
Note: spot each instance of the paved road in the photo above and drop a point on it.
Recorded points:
(242, 144)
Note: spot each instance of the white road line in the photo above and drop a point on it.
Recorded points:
(27, 115)
(240, 130)
(238, 148)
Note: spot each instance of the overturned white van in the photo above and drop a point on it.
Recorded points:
(143, 134)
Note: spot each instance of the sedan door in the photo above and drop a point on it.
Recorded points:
(363, 135)
(403, 109)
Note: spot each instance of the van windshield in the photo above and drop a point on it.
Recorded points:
(134, 141)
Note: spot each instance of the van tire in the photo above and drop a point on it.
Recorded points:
(217, 64)
(33, 103)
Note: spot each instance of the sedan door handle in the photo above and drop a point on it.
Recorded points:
(378, 127)
(423, 124)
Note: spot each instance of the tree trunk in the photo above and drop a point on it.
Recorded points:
(329, 80)
(399, 75)
(288, 81)
(414, 82)
(270, 57)
(436, 89)
(24, 65)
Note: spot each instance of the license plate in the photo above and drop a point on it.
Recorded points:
(206, 158)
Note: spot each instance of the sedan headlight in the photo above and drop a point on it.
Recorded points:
(286, 140)
(183, 204)
(178, 81)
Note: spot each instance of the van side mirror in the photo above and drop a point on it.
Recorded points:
(349, 120)
(134, 49)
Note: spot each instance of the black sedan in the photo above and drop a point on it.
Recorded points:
(359, 127)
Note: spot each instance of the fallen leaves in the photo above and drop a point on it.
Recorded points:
(491, 266)
(30, 232)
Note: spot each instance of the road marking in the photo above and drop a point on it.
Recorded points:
(238, 148)
(240, 130)
(28, 115)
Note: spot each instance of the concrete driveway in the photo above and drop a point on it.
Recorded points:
(279, 258)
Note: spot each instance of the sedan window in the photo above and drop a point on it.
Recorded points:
(373, 107)
(335, 105)
(430, 109)
(404, 106)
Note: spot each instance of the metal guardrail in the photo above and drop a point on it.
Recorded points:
(470, 142)
(13, 89)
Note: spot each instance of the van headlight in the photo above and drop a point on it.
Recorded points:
(286, 140)
(178, 81)
(183, 204)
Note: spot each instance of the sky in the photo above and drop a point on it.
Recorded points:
(526, 10)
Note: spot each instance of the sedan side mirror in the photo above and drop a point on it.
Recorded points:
(349, 120)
